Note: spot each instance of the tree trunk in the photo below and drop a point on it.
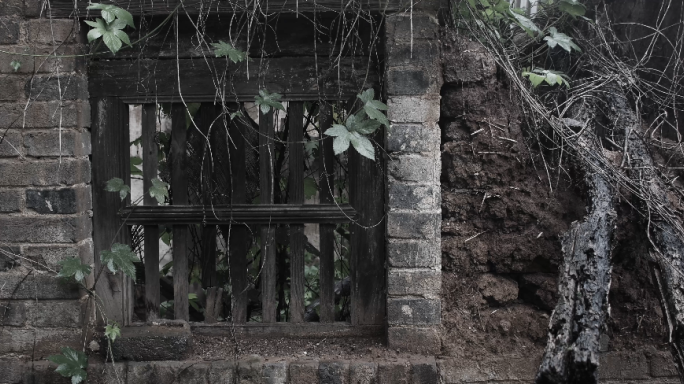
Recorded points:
(571, 354)
(665, 235)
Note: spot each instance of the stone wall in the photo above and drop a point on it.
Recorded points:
(44, 183)
(413, 81)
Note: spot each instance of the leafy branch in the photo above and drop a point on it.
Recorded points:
(110, 26)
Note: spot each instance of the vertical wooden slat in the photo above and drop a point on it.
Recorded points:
(327, 231)
(367, 244)
(149, 148)
(110, 158)
(209, 125)
(179, 189)
(268, 272)
(296, 196)
(238, 234)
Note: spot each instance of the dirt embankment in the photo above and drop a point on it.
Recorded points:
(501, 221)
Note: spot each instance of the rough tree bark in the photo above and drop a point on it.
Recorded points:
(571, 354)
(668, 248)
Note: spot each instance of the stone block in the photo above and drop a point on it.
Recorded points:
(413, 109)
(399, 27)
(12, 314)
(11, 7)
(52, 31)
(11, 144)
(9, 30)
(418, 340)
(404, 82)
(43, 372)
(139, 373)
(491, 370)
(414, 311)
(304, 372)
(47, 144)
(413, 138)
(363, 372)
(189, 373)
(10, 201)
(11, 371)
(623, 365)
(275, 373)
(27, 229)
(39, 343)
(662, 365)
(424, 170)
(163, 340)
(12, 86)
(53, 314)
(419, 197)
(33, 8)
(394, 372)
(425, 371)
(37, 287)
(426, 283)
(413, 225)
(466, 61)
(413, 254)
(44, 115)
(250, 370)
(107, 373)
(333, 372)
(61, 201)
(9, 257)
(41, 64)
(45, 257)
(423, 54)
(22, 173)
(222, 372)
(66, 87)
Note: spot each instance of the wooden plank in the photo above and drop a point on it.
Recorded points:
(296, 196)
(295, 78)
(367, 238)
(238, 234)
(110, 158)
(268, 245)
(239, 214)
(212, 310)
(274, 37)
(149, 148)
(68, 8)
(179, 190)
(327, 231)
(209, 125)
(289, 330)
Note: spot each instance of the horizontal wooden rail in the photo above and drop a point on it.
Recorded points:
(66, 8)
(298, 330)
(247, 214)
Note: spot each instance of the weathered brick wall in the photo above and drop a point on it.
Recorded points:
(413, 81)
(44, 183)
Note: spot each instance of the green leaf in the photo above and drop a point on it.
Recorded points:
(367, 127)
(112, 41)
(111, 12)
(120, 258)
(337, 130)
(166, 238)
(159, 190)
(192, 300)
(572, 7)
(223, 49)
(376, 115)
(117, 185)
(15, 65)
(558, 38)
(362, 145)
(341, 144)
(112, 331)
(267, 100)
(310, 187)
(72, 266)
(71, 364)
(135, 162)
(367, 95)
(528, 25)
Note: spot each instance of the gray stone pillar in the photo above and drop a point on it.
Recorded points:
(413, 80)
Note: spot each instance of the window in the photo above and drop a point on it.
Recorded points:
(239, 227)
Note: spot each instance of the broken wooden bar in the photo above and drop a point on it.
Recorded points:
(267, 233)
(179, 190)
(327, 231)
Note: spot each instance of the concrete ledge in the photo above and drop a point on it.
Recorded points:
(164, 340)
